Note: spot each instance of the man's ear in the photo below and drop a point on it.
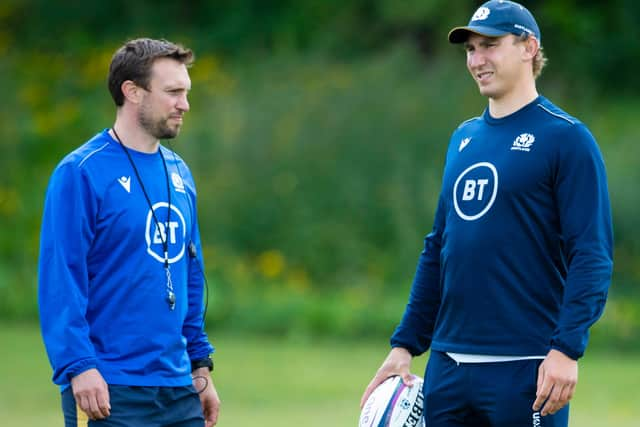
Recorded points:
(131, 91)
(531, 47)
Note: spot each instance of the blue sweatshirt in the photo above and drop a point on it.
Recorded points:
(102, 282)
(519, 260)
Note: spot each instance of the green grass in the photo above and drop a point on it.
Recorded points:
(286, 382)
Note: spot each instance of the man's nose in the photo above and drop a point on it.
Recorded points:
(475, 59)
(183, 103)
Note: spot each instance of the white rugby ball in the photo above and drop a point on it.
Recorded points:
(393, 404)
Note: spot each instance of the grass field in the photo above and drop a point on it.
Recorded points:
(265, 382)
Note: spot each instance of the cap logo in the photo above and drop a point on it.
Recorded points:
(481, 14)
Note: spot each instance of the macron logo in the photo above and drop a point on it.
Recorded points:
(125, 182)
(464, 143)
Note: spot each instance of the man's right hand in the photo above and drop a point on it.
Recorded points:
(92, 394)
(398, 362)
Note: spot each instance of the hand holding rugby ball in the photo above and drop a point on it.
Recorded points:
(393, 404)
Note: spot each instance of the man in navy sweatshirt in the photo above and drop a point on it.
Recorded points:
(519, 261)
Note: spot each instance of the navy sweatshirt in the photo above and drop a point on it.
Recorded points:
(519, 260)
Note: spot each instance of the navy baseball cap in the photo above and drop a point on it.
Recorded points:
(497, 18)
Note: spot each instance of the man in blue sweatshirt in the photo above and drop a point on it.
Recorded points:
(519, 261)
(120, 275)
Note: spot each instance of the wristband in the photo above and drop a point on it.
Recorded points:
(202, 363)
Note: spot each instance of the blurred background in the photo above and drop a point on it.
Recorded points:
(316, 136)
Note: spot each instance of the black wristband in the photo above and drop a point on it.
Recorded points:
(202, 363)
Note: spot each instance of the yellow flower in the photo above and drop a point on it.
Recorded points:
(271, 263)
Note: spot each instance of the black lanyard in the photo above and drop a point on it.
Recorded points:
(171, 296)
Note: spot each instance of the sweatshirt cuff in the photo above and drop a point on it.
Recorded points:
(79, 367)
(568, 350)
(412, 349)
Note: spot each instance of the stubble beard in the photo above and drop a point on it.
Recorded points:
(156, 128)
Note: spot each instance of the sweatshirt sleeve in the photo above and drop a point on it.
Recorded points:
(416, 328)
(68, 227)
(198, 346)
(585, 221)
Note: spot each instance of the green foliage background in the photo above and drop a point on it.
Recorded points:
(316, 135)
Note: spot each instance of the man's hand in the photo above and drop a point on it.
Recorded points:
(557, 379)
(398, 362)
(208, 395)
(92, 394)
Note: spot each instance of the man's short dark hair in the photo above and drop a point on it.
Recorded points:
(134, 59)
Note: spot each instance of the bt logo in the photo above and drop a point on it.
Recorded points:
(470, 186)
(475, 191)
(173, 233)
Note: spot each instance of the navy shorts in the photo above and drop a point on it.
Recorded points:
(141, 406)
(484, 394)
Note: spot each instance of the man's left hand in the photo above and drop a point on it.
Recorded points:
(557, 379)
(208, 395)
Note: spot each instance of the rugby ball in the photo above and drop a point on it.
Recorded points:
(393, 404)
